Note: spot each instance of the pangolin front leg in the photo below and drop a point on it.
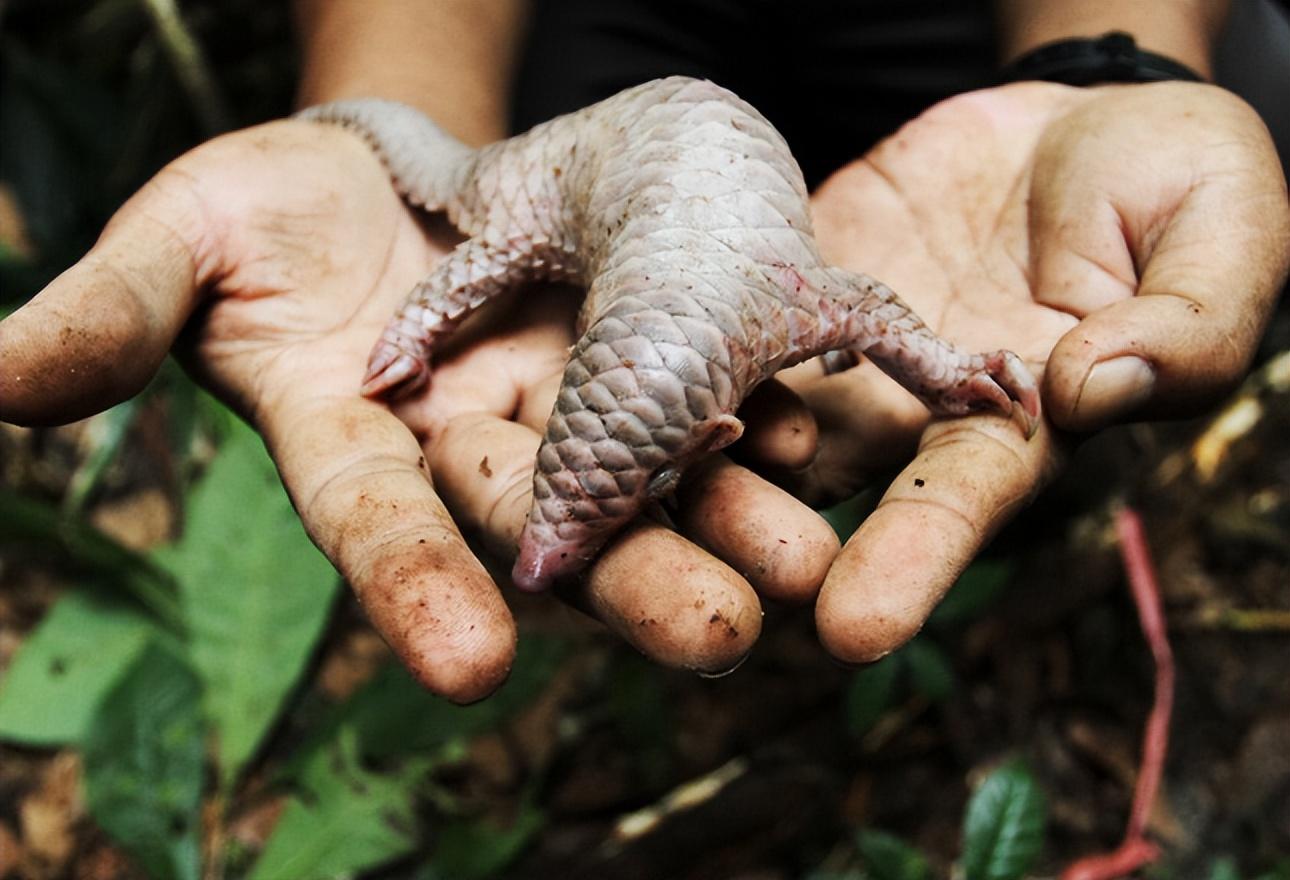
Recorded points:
(682, 211)
(475, 272)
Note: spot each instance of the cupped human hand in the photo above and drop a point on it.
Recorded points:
(270, 260)
(1128, 242)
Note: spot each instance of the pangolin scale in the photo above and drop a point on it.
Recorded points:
(682, 212)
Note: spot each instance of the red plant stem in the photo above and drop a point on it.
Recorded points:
(1136, 851)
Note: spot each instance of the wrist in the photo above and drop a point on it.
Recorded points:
(1110, 58)
(1183, 31)
(451, 59)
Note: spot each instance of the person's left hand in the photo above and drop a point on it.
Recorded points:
(1128, 242)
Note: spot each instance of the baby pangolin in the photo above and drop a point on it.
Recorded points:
(683, 213)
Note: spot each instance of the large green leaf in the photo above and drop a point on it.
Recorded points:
(394, 716)
(255, 594)
(929, 669)
(887, 857)
(976, 590)
(870, 693)
(478, 849)
(348, 819)
(66, 665)
(1224, 868)
(1003, 831)
(143, 764)
(32, 526)
(846, 516)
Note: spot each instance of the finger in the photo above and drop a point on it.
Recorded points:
(359, 480)
(867, 425)
(98, 332)
(780, 430)
(1212, 260)
(671, 600)
(1192, 329)
(780, 545)
(970, 476)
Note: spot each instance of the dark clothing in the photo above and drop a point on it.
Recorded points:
(833, 76)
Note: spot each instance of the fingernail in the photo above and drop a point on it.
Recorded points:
(1114, 388)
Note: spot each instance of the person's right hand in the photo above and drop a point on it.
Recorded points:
(275, 256)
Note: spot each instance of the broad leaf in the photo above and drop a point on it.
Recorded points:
(887, 857)
(976, 590)
(349, 819)
(1003, 831)
(846, 516)
(474, 850)
(870, 694)
(255, 594)
(61, 672)
(143, 764)
(394, 716)
(1224, 868)
(929, 669)
(35, 527)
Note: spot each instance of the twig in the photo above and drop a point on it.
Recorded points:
(1252, 620)
(190, 65)
(1136, 851)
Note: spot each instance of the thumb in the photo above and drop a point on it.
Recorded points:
(1172, 294)
(97, 334)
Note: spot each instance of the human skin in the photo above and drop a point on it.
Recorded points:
(296, 250)
(639, 200)
(1128, 242)
(280, 252)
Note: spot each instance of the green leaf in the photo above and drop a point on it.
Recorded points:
(38, 528)
(77, 652)
(639, 705)
(394, 716)
(976, 590)
(349, 820)
(143, 764)
(846, 516)
(255, 593)
(929, 669)
(870, 694)
(887, 857)
(1224, 868)
(1279, 871)
(474, 850)
(1003, 831)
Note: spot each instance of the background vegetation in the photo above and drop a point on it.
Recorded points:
(187, 691)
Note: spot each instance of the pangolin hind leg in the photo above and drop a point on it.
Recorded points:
(861, 314)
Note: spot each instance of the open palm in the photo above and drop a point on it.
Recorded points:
(275, 256)
(1127, 242)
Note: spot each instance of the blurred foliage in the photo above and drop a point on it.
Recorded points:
(91, 106)
(886, 857)
(1226, 868)
(1003, 835)
(143, 764)
(143, 699)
